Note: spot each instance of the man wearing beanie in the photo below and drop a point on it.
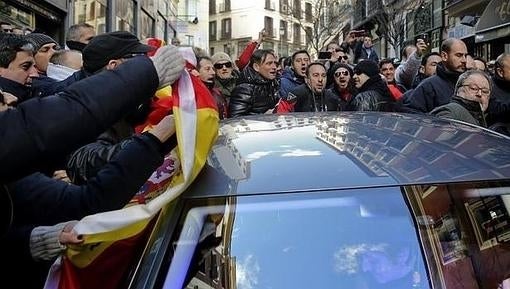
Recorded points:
(45, 46)
(373, 93)
(104, 52)
(226, 75)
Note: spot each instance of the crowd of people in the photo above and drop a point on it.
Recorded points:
(69, 146)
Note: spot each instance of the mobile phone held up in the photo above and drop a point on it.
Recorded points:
(324, 55)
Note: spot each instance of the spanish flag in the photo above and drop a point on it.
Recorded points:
(112, 239)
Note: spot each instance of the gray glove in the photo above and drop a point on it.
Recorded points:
(169, 64)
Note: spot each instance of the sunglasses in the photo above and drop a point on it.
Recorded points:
(345, 57)
(221, 65)
(7, 30)
(344, 73)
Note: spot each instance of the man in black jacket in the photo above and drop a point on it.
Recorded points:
(308, 96)
(499, 105)
(40, 131)
(257, 89)
(437, 90)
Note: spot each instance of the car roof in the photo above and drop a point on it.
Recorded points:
(306, 152)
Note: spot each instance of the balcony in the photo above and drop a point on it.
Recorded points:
(224, 7)
(226, 35)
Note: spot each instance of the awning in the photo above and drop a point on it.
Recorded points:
(494, 22)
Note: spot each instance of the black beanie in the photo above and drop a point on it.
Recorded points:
(368, 67)
(39, 39)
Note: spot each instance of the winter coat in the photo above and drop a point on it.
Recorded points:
(288, 81)
(374, 95)
(253, 94)
(339, 100)
(461, 109)
(407, 70)
(360, 52)
(40, 131)
(22, 92)
(434, 91)
(226, 86)
(85, 162)
(302, 99)
(39, 200)
(499, 104)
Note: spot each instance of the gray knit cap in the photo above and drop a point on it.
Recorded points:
(39, 39)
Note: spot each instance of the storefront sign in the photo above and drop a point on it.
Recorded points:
(495, 21)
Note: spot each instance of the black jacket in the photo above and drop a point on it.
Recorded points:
(499, 103)
(45, 88)
(42, 130)
(253, 94)
(42, 201)
(85, 162)
(374, 95)
(22, 92)
(305, 100)
(335, 101)
(433, 91)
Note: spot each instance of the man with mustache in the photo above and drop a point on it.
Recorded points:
(438, 89)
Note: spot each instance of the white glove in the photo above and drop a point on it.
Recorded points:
(169, 64)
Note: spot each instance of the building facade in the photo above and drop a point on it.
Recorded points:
(192, 22)
(234, 23)
(145, 18)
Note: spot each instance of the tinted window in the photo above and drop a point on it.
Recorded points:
(436, 236)
(352, 239)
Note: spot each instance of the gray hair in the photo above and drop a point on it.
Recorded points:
(500, 59)
(74, 32)
(468, 73)
(60, 56)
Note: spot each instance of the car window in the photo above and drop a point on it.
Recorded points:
(465, 232)
(339, 239)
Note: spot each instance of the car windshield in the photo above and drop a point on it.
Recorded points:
(342, 239)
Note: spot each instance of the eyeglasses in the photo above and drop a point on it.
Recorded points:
(221, 65)
(7, 30)
(345, 57)
(344, 73)
(475, 89)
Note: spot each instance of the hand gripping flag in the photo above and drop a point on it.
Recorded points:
(112, 239)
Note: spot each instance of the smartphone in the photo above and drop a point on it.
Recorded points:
(324, 55)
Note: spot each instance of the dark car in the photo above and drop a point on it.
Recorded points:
(358, 201)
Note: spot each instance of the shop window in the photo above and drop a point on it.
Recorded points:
(16, 16)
